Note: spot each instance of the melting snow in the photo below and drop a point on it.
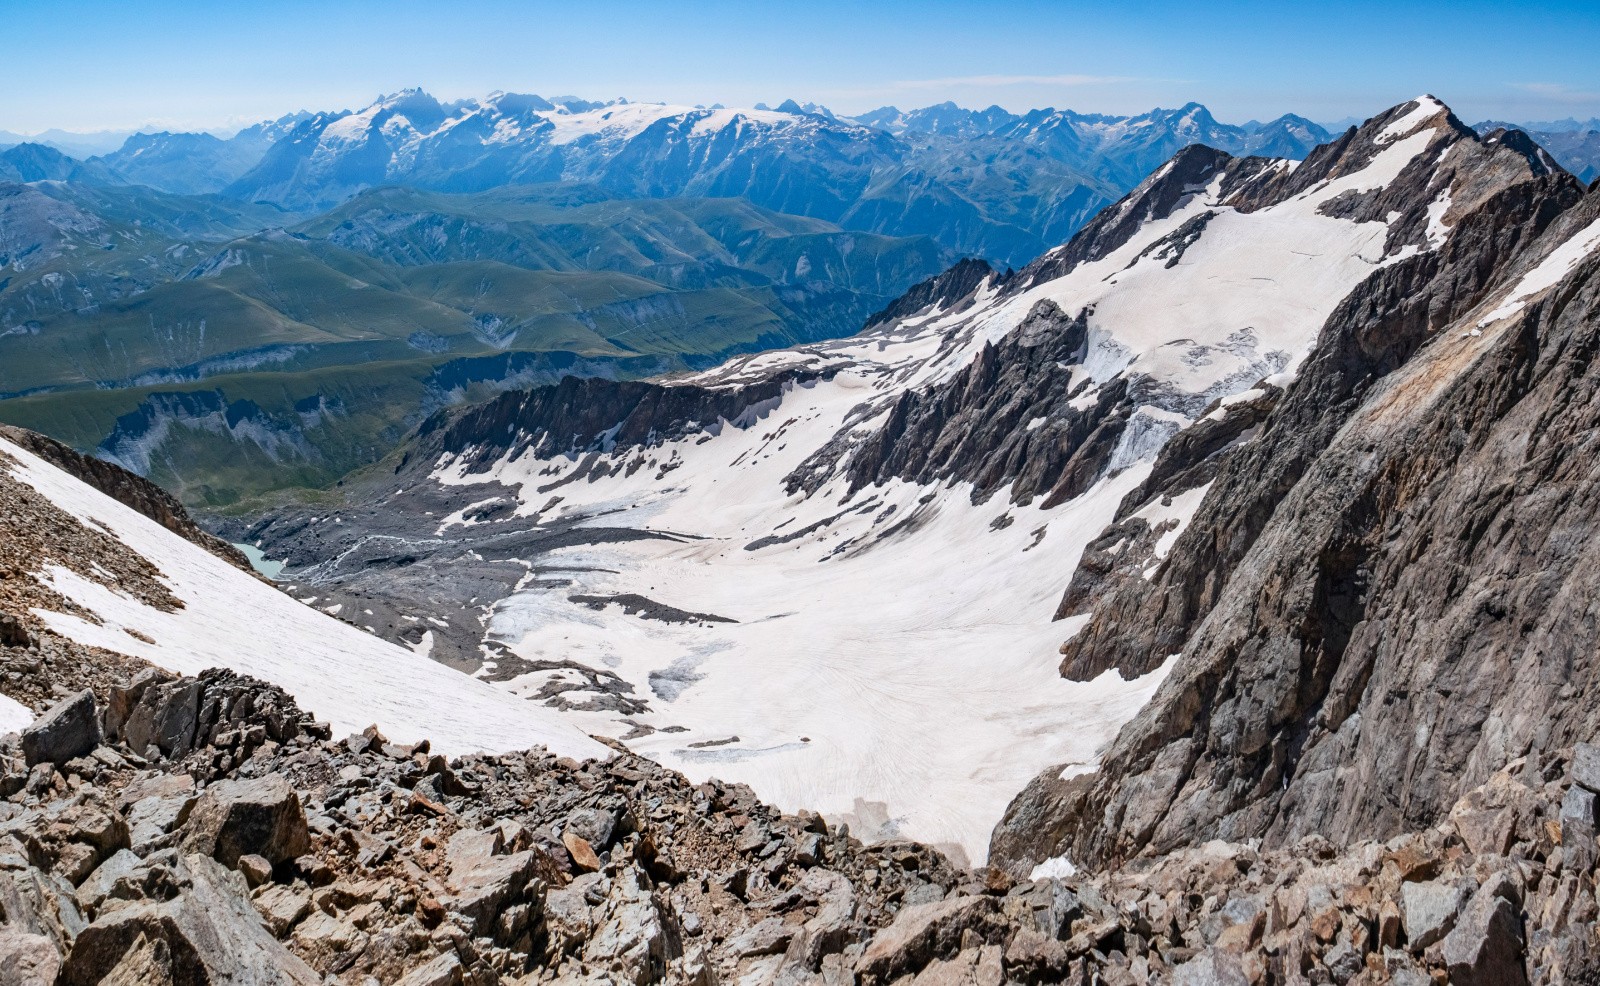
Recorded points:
(1054, 868)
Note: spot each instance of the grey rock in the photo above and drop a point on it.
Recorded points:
(255, 869)
(1486, 947)
(92, 891)
(281, 907)
(68, 730)
(488, 886)
(152, 819)
(1210, 968)
(630, 938)
(769, 936)
(1586, 765)
(443, 970)
(165, 718)
(596, 826)
(922, 933)
(238, 818)
(1580, 819)
(124, 698)
(468, 848)
(568, 920)
(207, 931)
(1429, 910)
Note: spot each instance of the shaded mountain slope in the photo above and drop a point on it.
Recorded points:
(1379, 600)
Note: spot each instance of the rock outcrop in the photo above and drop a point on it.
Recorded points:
(312, 859)
(1380, 601)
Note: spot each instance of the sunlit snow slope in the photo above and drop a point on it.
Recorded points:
(885, 653)
(230, 619)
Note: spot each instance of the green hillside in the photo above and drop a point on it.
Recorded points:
(186, 336)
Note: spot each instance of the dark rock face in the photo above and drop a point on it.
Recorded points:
(1380, 587)
(954, 285)
(581, 415)
(1008, 417)
(1189, 170)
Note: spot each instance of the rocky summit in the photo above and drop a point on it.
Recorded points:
(1208, 602)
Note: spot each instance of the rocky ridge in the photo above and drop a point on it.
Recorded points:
(1376, 601)
(196, 830)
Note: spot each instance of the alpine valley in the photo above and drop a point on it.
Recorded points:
(644, 544)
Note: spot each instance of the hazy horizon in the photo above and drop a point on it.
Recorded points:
(84, 66)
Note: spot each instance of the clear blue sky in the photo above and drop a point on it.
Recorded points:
(85, 65)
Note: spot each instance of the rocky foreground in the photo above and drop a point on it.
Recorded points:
(207, 830)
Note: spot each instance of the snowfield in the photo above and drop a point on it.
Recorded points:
(14, 716)
(889, 658)
(231, 619)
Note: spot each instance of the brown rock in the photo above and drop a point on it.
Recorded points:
(584, 859)
(27, 960)
(922, 933)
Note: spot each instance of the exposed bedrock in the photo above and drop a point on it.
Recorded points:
(1384, 597)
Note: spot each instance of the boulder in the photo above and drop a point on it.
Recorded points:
(1211, 968)
(443, 969)
(239, 818)
(630, 940)
(766, 937)
(281, 907)
(980, 966)
(1486, 947)
(69, 730)
(583, 855)
(1048, 905)
(1586, 765)
(98, 886)
(125, 698)
(204, 933)
(1429, 910)
(13, 633)
(26, 959)
(485, 884)
(829, 930)
(1579, 811)
(568, 919)
(595, 826)
(164, 718)
(152, 819)
(921, 934)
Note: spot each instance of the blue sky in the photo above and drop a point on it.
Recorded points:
(88, 65)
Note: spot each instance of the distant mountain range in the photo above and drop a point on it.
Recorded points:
(417, 253)
(990, 183)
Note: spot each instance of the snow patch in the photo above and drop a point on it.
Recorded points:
(14, 716)
(1054, 868)
(1548, 273)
